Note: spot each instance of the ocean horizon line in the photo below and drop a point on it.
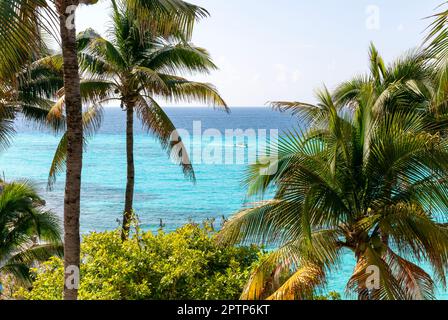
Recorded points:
(199, 107)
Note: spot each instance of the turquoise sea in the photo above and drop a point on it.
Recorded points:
(161, 190)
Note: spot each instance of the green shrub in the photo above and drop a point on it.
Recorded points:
(332, 295)
(185, 264)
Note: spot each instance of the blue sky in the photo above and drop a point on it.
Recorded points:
(284, 49)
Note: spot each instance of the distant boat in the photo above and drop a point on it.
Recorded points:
(241, 145)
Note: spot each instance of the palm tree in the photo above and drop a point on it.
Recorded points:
(136, 72)
(415, 81)
(20, 35)
(37, 95)
(28, 233)
(30, 93)
(373, 184)
(437, 39)
(24, 20)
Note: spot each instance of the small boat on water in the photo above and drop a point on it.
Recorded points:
(241, 145)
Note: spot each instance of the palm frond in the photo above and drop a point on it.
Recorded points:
(58, 162)
(190, 91)
(181, 57)
(166, 17)
(156, 121)
(92, 119)
(301, 285)
(22, 23)
(28, 233)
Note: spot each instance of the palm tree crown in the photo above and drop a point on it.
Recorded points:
(369, 175)
(20, 35)
(136, 67)
(28, 233)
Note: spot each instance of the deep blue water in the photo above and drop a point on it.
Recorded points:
(161, 190)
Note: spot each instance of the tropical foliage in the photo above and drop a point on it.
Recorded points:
(30, 94)
(135, 68)
(437, 38)
(23, 22)
(185, 264)
(26, 23)
(368, 175)
(28, 232)
(36, 94)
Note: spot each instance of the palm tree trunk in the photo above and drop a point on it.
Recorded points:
(129, 197)
(73, 107)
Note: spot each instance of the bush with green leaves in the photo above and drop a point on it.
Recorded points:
(332, 295)
(185, 264)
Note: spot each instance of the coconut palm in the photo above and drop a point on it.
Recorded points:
(437, 38)
(28, 233)
(30, 93)
(23, 21)
(373, 185)
(414, 82)
(136, 73)
(36, 94)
